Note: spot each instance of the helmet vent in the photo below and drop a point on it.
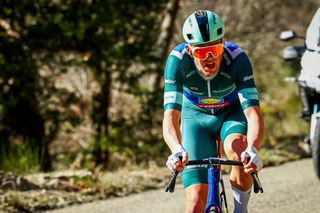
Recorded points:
(190, 36)
(219, 31)
(200, 13)
(203, 24)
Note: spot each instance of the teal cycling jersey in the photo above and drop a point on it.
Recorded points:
(186, 87)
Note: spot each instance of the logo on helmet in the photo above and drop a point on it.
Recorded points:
(214, 19)
(190, 22)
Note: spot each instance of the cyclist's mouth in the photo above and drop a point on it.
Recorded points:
(210, 65)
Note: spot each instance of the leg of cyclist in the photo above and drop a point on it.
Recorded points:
(241, 182)
(233, 134)
(198, 139)
(234, 145)
(196, 197)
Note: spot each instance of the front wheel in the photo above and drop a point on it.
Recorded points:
(315, 144)
(214, 209)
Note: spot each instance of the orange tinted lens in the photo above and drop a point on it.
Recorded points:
(202, 52)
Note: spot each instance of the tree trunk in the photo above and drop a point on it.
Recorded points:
(101, 116)
(165, 37)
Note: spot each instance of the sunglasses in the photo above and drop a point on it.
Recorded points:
(203, 52)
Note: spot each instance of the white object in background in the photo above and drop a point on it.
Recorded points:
(310, 61)
(313, 33)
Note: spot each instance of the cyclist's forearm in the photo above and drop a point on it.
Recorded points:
(171, 128)
(255, 132)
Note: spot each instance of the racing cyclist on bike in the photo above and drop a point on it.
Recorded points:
(210, 91)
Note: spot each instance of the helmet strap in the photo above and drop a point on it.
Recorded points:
(188, 49)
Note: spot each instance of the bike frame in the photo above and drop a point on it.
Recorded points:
(214, 197)
(214, 178)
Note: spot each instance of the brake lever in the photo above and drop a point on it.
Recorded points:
(257, 186)
(172, 182)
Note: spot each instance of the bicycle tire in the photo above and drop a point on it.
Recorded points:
(315, 143)
(214, 209)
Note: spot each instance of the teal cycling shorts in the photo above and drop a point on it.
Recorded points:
(199, 132)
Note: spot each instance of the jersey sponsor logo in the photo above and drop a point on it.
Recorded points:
(230, 88)
(227, 59)
(194, 88)
(248, 94)
(169, 81)
(252, 93)
(172, 97)
(212, 106)
(211, 101)
(247, 78)
(226, 75)
(190, 73)
(196, 93)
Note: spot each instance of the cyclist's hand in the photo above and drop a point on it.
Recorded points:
(174, 162)
(255, 163)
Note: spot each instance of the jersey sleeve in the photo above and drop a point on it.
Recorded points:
(173, 79)
(243, 76)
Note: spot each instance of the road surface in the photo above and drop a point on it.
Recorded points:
(291, 187)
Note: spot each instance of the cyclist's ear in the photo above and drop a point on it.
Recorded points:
(188, 49)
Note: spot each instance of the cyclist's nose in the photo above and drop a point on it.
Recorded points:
(209, 55)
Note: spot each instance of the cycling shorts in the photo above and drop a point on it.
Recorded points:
(199, 132)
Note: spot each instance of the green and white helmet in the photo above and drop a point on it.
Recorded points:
(202, 26)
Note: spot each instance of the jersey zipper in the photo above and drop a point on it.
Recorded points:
(209, 92)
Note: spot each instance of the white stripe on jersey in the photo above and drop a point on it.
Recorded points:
(235, 52)
(177, 53)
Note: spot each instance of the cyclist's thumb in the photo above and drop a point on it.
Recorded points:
(245, 157)
(185, 158)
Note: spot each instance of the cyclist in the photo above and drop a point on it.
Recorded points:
(210, 91)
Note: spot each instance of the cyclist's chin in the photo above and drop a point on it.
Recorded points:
(209, 71)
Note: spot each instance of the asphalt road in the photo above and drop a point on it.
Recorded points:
(291, 187)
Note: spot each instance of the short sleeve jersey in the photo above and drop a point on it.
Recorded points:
(185, 86)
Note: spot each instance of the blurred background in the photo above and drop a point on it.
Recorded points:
(81, 80)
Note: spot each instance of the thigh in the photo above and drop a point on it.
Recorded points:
(196, 197)
(234, 122)
(199, 132)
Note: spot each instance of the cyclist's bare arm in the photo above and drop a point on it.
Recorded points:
(172, 137)
(255, 135)
(255, 131)
(171, 128)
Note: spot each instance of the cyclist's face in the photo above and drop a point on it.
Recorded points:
(211, 64)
